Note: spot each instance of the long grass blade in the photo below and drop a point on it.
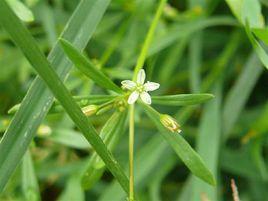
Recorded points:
(209, 133)
(46, 72)
(29, 180)
(110, 133)
(242, 88)
(39, 99)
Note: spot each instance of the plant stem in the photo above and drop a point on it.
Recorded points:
(131, 152)
(149, 38)
(138, 66)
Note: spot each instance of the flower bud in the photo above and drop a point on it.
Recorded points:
(90, 110)
(170, 123)
(44, 130)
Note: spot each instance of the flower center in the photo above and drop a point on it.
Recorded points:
(140, 88)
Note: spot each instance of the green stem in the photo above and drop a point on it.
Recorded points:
(131, 152)
(149, 38)
(138, 66)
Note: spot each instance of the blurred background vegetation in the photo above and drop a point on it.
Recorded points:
(199, 46)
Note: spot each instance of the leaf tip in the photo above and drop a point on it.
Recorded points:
(211, 96)
(211, 180)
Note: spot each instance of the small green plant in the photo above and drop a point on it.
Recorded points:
(136, 88)
(107, 93)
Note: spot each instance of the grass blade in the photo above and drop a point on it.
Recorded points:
(149, 155)
(80, 100)
(182, 99)
(261, 34)
(247, 10)
(29, 181)
(21, 10)
(68, 137)
(110, 133)
(209, 132)
(242, 89)
(73, 190)
(257, 47)
(84, 65)
(46, 72)
(39, 99)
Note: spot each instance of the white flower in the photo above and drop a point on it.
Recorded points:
(139, 88)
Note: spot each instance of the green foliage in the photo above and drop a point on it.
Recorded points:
(87, 67)
(182, 99)
(64, 119)
(46, 72)
(21, 10)
(183, 149)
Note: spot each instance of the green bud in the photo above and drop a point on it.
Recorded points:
(121, 105)
(44, 130)
(90, 110)
(170, 123)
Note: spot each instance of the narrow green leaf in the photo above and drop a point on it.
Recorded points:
(195, 60)
(251, 12)
(160, 174)
(22, 11)
(39, 98)
(191, 159)
(186, 191)
(172, 59)
(69, 138)
(110, 133)
(236, 8)
(239, 93)
(229, 163)
(73, 190)
(85, 66)
(209, 132)
(260, 124)
(92, 99)
(24, 40)
(181, 99)
(179, 31)
(247, 10)
(222, 61)
(258, 158)
(80, 100)
(261, 34)
(48, 21)
(149, 155)
(257, 47)
(29, 181)
(195, 49)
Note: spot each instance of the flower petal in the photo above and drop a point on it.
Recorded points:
(146, 98)
(133, 97)
(128, 84)
(151, 86)
(141, 76)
